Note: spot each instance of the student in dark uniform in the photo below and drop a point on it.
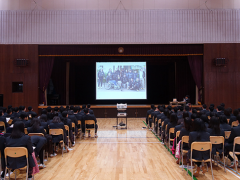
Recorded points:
(224, 124)
(19, 139)
(148, 113)
(199, 134)
(88, 116)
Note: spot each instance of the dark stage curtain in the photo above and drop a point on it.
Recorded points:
(45, 71)
(196, 66)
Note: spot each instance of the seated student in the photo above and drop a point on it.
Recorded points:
(227, 113)
(212, 107)
(184, 131)
(204, 110)
(235, 132)
(3, 119)
(30, 111)
(88, 116)
(180, 121)
(73, 118)
(187, 109)
(148, 113)
(224, 124)
(204, 117)
(2, 147)
(166, 121)
(49, 113)
(180, 112)
(68, 122)
(57, 124)
(23, 118)
(214, 130)
(198, 134)
(9, 113)
(172, 123)
(193, 116)
(89, 109)
(19, 139)
(4, 110)
(223, 106)
(234, 117)
(35, 127)
(219, 111)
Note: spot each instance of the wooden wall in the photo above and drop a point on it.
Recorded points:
(28, 75)
(222, 84)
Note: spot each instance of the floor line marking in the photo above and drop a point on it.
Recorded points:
(118, 142)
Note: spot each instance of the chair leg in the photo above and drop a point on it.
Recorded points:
(5, 173)
(192, 169)
(62, 149)
(211, 168)
(15, 174)
(224, 162)
(235, 162)
(9, 174)
(187, 168)
(182, 160)
(27, 173)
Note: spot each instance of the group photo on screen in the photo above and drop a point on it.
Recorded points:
(122, 78)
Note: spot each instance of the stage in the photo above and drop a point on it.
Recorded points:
(110, 111)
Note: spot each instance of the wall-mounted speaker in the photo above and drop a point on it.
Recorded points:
(220, 61)
(21, 62)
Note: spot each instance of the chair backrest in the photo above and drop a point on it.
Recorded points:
(149, 116)
(159, 121)
(166, 127)
(201, 146)
(177, 134)
(227, 134)
(208, 117)
(235, 123)
(2, 123)
(15, 152)
(56, 131)
(228, 120)
(89, 122)
(25, 131)
(73, 125)
(236, 140)
(171, 131)
(162, 123)
(36, 134)
(185, 139)
(79, 122)
(66, 127)
(217, 139)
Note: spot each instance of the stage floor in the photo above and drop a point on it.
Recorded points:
(133, 154)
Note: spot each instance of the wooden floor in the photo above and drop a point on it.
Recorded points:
(131, 154)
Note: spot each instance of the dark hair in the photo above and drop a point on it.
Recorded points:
(152, 106)
(222, 104)
(29, 108)
(23, 115)
(1, 112)
(173, 118)
(88, 106)
(67, 107)
(61, 109)
(175, 109)
(166, 112)
(55, 108)
(49, 109)
(18, 130)
(235, 112)
(226, 112)
(83, 106)
(44, 111)
(16, 109)
(71, 107)
(212, 105)
(75, 109)
(230, 110)
(169, 108)
(43, 118)
(9, 111)
(204, 106)
(181, 108)
(4, 109)
(211, 108)
(204, 118)
(223, 119)
(186, 108)
(185, 114)
(194, 111)
(64, 114)
(193, 116)
(35, 123)
(56, 119)
(188, 123)
(212, 114)
(9, 106)
(220, 108)
(34, 115)
(238, 118)
(199, 126)
(85, 110)
(214, 124)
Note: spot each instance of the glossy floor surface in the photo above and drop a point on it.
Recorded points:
(131, 154)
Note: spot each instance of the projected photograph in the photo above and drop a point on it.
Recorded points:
(121, 80)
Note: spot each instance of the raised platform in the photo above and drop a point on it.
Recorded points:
(110, 111)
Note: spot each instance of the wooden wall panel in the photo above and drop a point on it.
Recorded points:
(28, 75)
(221, 84)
